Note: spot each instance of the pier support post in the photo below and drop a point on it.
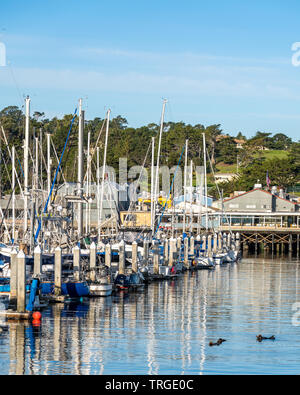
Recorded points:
(21, 296)
(224, 240)
(192, 245)
(238, 242)
(134, 257)
(186, 252)
(13, 279)
(76, 263)
(57, 271)
(37, 270)
(282, 248)
(256, 245)
(146, 250)
(233, 238)
(291, 245)
(156, 259)
(122, 257)
(229, 241)
(209, 239)
(166, 251)
(108, 255)
(220, 242)
(93, 258)
(172, 251)
(298, 244)
(179, 244)
(204, 244)
(215, 248)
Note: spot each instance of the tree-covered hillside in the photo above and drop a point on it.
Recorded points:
(252, 158)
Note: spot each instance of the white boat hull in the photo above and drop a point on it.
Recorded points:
(101, 290)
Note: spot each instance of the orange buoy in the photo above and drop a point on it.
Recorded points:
(36, 322)
(36, 316)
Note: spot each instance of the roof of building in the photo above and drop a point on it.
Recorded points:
(261, 190)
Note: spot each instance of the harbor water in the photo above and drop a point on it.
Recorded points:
(167, 327)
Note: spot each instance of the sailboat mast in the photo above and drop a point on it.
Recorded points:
(191, 196)
(80, 171)
(48, 164)
(158, 158)
(185, 181)
(103, 172)
(26, 151)
(13, 195)
(205, 182)
(98, 184)
(87, 224)
(152, 184)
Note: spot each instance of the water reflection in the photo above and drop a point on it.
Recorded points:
(166, 328)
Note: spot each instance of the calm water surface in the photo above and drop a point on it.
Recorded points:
(167, 328)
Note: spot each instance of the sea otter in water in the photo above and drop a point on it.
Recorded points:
(261, 338)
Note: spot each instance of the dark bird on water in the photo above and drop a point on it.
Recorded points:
(219, 342)
(261, 338)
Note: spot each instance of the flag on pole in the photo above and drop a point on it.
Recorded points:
(268, 179)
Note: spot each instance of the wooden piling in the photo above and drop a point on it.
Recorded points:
(21, 296)
(37, 269)
(291, 244)
(220, 242)
(134, 257)
(122, 257)
(215, 247)
(192, 245)
(57, 271)
(166, 251)
(76, 263)
(108, 255)
(229, 240)
(13, 279)
(93, 259)
(178, 244)
(204, 244)
(186, 252)
(156, 259)
(209, 250)
(146, 250)
(172, 251)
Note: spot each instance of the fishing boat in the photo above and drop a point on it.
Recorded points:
(129, 282)
(204, 263)
(74, 289)
(102, 285)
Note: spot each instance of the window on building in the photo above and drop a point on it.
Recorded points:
(251, 206)
(233, 205)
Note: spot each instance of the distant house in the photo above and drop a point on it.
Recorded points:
(239, 142)
(259, 200)
(224, 177)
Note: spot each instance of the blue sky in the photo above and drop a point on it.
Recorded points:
(216, 62)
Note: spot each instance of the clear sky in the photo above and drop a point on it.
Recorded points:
(225, 62)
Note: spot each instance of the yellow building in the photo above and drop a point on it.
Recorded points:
(135, 219)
